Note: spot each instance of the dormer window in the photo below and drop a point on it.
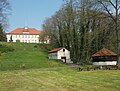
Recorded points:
(25, 32)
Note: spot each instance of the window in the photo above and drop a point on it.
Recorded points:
(28, 36)
(32, 36)
(25, 36)
(17, 36)
(20, 36)
(32, 41)
(25, 32)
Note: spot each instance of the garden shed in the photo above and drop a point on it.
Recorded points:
(104, 57)
(60, 53)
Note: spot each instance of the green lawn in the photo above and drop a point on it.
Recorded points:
(60, 80)
(26, 56)
(42, 74)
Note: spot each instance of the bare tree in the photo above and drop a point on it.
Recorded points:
(115, 6)
(4, 11)
(82, 27)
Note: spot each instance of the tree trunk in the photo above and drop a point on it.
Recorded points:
(117, 34)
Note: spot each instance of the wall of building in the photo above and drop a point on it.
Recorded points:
(60, 54)
(66, 54)
(52, 55)
(25, 38)
(105, 63)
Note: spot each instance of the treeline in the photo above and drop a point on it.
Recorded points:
(83, 27)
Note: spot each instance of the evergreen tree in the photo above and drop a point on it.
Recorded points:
(2, 34)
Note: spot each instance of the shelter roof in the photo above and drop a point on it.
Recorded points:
(55, 50)
(104, 52)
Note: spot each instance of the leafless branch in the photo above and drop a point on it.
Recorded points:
(112, 3)
(107, 10)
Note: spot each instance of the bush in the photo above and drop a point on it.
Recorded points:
(44, 47)
(89, 67)
(18, 41)
(4, 48)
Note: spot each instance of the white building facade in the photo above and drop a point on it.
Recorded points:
(25, 35)
(105, 63)
(60, 53)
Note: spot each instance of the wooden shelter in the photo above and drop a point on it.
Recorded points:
(104, 57)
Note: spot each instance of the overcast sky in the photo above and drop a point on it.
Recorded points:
(31, 12)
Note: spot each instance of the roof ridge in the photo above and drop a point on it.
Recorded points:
(56, 49)
(104, 52)
(21, 30)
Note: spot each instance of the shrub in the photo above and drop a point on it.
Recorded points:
(5, 48)
(18, 41)
(44, 47)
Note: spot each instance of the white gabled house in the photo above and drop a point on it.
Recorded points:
(60, 53)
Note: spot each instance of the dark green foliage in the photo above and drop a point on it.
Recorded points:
(44, 47)
(18, 41)
(2, 34)
(5, 48)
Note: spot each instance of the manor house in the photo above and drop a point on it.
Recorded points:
(25, 35)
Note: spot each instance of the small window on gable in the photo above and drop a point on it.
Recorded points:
(63, 50)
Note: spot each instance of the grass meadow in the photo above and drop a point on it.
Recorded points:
(26, 56)
(28, 68)
(60, 80)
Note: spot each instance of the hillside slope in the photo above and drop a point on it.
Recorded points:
(26, 56)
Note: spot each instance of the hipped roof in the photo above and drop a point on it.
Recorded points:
(21, 30)
(104, 52)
